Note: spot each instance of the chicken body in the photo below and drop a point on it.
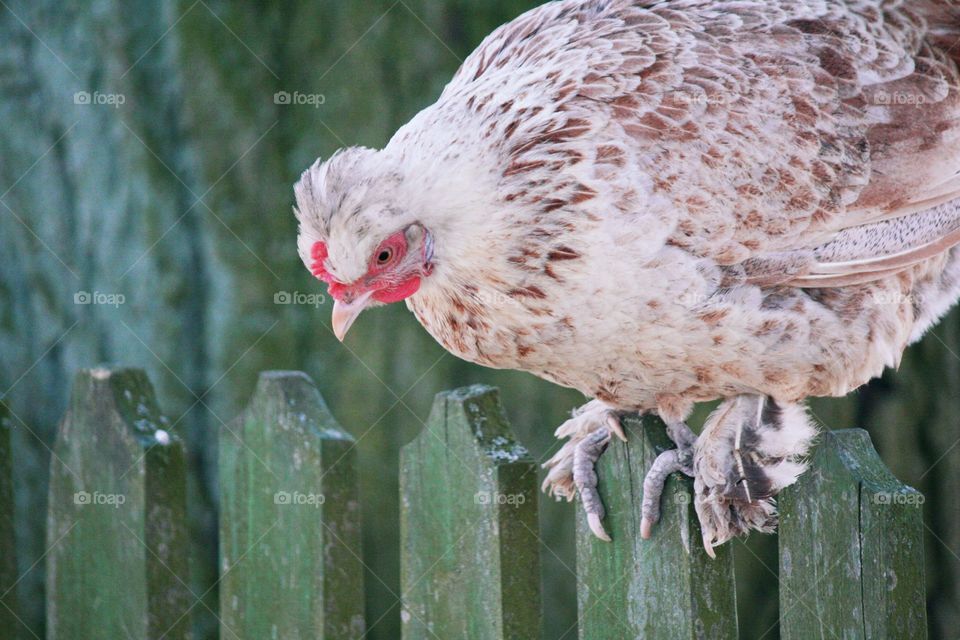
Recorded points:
(662, 203)
(620, 205)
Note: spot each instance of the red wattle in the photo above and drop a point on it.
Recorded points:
(336, 290)
(400, 292)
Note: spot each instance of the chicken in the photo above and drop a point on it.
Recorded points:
(667, 203)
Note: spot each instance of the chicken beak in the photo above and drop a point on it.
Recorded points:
(344, 313)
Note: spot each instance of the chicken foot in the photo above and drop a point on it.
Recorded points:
(571, 470)
(750, 449)
(585, 457)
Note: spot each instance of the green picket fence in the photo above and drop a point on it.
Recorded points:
(851, 554)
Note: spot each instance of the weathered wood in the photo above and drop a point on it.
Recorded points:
(468, 524)
(851, 547)
(116, 533)
(9, 576)
(665, 587)
(290, 556)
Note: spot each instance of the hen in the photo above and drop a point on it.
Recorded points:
(664, 203)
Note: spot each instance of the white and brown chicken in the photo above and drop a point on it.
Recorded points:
(686, 200)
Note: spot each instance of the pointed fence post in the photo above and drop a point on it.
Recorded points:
(851, 547)
(470, 563)
(290, 556)
(9, 605)
(665, 587)
(117, 526)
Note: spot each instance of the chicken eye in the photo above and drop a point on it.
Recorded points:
(384, 256)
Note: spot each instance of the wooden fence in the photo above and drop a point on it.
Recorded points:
(851, 555)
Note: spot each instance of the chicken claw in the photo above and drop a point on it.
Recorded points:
(613, 422)
(585, 456)
(679, 459)
(586, 420)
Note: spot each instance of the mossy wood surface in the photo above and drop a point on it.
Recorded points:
(116, 530)
(665, 587)
(851, 547)
(290, 556)
(470, 564)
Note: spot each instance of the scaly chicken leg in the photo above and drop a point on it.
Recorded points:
(751, 448)
(571, 470)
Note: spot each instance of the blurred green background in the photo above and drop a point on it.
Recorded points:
(144, 152)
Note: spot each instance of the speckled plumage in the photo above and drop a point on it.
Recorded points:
(661, 203)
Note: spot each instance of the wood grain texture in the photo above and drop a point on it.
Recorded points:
(662, 588)
(290, 555)
(117, 515)
(851, 547)
(470, 563)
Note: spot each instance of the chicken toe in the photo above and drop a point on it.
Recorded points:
(679, 459)
(585, 456)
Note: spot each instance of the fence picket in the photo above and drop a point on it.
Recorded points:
(9, 606)
(666, 587)
(851, 547)
(851, 535)
(117, 531)
(290, 556)
(468, 524)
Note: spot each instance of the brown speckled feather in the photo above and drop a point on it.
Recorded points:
(768, 126)
(693, 197)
